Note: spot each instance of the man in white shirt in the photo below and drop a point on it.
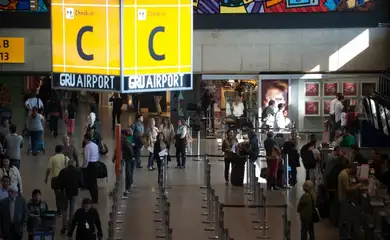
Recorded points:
(333, 103)
(91, 157)
(338, 110)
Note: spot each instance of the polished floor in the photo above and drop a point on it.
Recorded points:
(184, 193)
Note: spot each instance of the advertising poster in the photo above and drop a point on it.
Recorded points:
(330, 89)
(312, 108)
(326, 109)
(368, 88)
(276, 90)
(312, 89)
(349, 89)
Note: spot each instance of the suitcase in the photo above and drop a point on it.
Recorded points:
(40, 146)
(237, 174)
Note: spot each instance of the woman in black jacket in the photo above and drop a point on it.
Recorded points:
(159, 146)
(87, 221)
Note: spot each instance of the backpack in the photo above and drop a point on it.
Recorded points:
(101, 170)
(308, 158)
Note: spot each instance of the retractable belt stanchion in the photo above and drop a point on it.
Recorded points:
(206, 162)
(165, 172)
(114, 221)
(223, 138)
(218, 217)
(213, 212)
(286, 225)
(287, 174)
(252, 181)
(198, 158)
(247, 186)
(208, 184)
(264, 226)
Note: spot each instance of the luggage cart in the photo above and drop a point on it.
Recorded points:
(44, 229)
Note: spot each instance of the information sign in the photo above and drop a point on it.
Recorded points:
(157, 43)
(11, 50)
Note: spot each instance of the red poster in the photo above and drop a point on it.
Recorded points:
(312, 108)
(330, 89)
(312, 89)
(349, 89)
(327, 107)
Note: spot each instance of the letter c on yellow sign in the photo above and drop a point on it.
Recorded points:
(80, 51)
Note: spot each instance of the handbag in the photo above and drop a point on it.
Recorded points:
(315, 217)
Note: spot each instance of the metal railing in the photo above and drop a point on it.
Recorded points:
(163, 206)
(215, 210)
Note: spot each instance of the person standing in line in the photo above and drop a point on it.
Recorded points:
(13, 143)
(70, 118)
(35, 129)
(343, 117)
(70, 150)
(159, 146)
(117, 103)
(13, 216)
(271, 150)
(168, 130)
(181, 144)
(306, 206)
(152, 132)
(54, 112)
(56, 163)
(332, 119)
(87, 221)
(238, 112)
(229, 148)
(138, 132)
(268, 115)
(69, 181)
(13, 173)
(91, 156)
(128, 157)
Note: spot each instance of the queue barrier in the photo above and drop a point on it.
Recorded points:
(163, 206)
(116, 215)
(215, 213)
(118, 207)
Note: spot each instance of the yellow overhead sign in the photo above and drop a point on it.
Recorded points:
(157, 40)
(11, 50)
(85, 36)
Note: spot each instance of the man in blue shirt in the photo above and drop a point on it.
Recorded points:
(5, 182)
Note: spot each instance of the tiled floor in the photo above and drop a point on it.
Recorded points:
(185, 195)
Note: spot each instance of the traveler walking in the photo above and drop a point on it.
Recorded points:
(54, 113)
(87, 221)
(91, 156)
(117, 103)
(35, 129)
(12, 223)
(169, 134)
(272, 151)
(56, 163)
(36, 207)
(69, 150)
(69, 180)
(13, 143)
(70, 118)
(13, 173)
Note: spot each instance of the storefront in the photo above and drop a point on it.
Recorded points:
(306, 97)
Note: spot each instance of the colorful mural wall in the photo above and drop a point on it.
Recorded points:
(279, 6)
(24, 5)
